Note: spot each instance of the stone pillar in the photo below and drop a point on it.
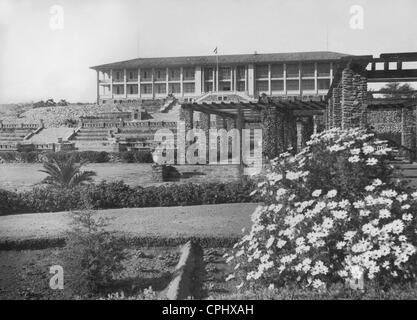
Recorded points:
(230, 123)
(269, 131)
(300, 135)
(348, 98)
(224, 123)
(407, 128)
(189, 119)
(205, 126)
(337, 108)
(281, 147)
(363, 98)
(315, 124)
(240, 124)
(290, 134)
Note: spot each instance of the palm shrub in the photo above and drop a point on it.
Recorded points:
(334, 213)
(66, 173)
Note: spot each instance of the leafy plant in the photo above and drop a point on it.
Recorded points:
(66, 173)
(93, 255)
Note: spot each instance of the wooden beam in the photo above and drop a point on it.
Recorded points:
(204, 109)
(391, 75)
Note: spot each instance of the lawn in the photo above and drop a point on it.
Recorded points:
(221, 220)
(23, 176)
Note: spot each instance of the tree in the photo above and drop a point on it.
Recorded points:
(62, 102)
(66, 173)
(397, 90)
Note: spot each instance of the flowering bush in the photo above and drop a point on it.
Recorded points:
(332, 213)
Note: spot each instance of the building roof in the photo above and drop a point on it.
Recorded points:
(223, 59)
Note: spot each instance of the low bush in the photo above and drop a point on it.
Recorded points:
(135, 156)
(111, 195)
(90, 156)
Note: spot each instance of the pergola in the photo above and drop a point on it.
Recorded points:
(285, 123)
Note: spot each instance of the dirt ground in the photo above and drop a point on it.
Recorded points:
(25, 274)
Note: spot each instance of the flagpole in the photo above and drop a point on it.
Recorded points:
(217, 71)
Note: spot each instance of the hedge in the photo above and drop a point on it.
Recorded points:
(90, 156)
(112, 195)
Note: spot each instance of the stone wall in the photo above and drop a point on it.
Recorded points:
(196, 173)
(347, 105)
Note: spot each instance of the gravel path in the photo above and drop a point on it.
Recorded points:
(221, 220)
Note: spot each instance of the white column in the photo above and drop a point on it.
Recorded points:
(153, 83)
(299, 79)
(285, 79)
(203, 81)
(181, 81)
(232, 79)
(111, 83)
(167, 80)
(315, 79)
(98, 87)
(246, 79)
(251, 80)
(197, 77)
(269, 80)
(124, 83)
(214, 80)
(139, 94)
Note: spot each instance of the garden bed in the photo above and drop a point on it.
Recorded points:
(25, 274)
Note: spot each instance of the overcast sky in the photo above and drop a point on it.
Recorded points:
(38, 61)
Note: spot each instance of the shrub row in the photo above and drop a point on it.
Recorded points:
(90, 156)
(110, 195)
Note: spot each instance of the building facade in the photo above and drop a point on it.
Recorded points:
(189, 78)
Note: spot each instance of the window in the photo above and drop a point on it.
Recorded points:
(261, 72)
(323, 69)
(146, 75)
(277, 71)
(174, 74)
(118, 75)
(189, 73)
(119, 89)
(224, 86)
(240, 72)
(293, 85)
(308, 85)
(240, 86)
(174, 88)
(292, 71)
(224, 73)
(132, 89)
(208, 86)
(160, 88)
(146, 88)
(323, 84)
(189, 87)
(160, 75)
(307, 70)
(262, 86)
(277, 85)
(132, 75)
(208, 74)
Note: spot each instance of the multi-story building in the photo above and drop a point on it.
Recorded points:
(188, 78)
